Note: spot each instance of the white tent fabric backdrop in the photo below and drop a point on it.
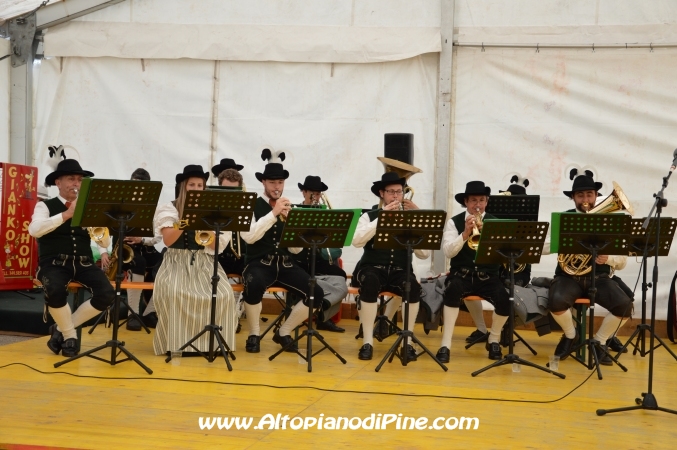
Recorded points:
(119, 115)
(513, 111)
(541, 114)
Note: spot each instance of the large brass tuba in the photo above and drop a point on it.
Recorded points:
(577, 265)
(403, 170)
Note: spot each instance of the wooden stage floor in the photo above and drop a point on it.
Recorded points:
(90, 404)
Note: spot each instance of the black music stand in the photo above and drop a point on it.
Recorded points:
(643, 240)
(522, 208)
(512, 242)
(315, 228)
(420, 229)
(218, 210)
(589, 234)
(648, 400)
(122, 206)
(517, 207)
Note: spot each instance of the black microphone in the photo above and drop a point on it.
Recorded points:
(674, 160)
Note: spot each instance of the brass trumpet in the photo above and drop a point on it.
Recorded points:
(474, 239)
(576, 265)
(127, 256)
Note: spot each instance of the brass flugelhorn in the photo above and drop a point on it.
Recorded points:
(204, 237)
(576, 265)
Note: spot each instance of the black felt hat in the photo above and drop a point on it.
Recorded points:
(314, 184)
(66, 167)
(583, 182)
(472, 188)
(387, 179)
(518, 187)
(272, 171)
(191, 170)
(226, 163)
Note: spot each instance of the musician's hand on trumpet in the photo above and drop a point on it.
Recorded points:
(395, 205)
(408, 205)
(282, 206)
(470, 223)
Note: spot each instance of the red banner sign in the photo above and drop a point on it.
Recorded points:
(19, 250)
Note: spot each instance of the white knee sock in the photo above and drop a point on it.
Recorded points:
(566, 321)
(450, 315)
(64, 321)
(392, 307)
(497, 323)
(367, 317)
(253, 316)
(298, 314)
(475, 309)
(84, 312)
(134, 295)
(609, 326)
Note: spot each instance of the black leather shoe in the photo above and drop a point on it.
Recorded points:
(564, 347)
(366, 352)
(442, 355)
(477, 336)
(494, 349)
(69, 348)
(56, 340)
(287, 342)
(604, 358)
(253, 344)
(329, 325)
(614, 344)
(411, 353)
(150, 320)
(133, 324)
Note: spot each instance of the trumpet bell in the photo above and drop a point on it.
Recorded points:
(100, 235)
(204, 238)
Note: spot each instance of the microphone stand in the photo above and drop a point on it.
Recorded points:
(648, 400)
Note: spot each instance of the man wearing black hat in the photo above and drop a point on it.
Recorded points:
(383, 270)
(467, 278)
(326, 260)
(226, 163)
(65, 255)
(267, 264)
(565, 288)
(522, 278)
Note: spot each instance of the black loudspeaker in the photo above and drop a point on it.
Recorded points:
(399, 146)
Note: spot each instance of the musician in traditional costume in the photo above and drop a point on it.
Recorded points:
(65, 255)
(326, 260)
(267, 264)
(383, 270)
(465, 276)
(183, 285)
(566, 288)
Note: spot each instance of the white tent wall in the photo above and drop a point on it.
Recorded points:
(120, 114)
(540, 114)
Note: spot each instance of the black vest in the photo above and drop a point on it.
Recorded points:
(269, 243)
(374, 257)
(465, 259)
(186, 241)
(599, 268)
(64, 239)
